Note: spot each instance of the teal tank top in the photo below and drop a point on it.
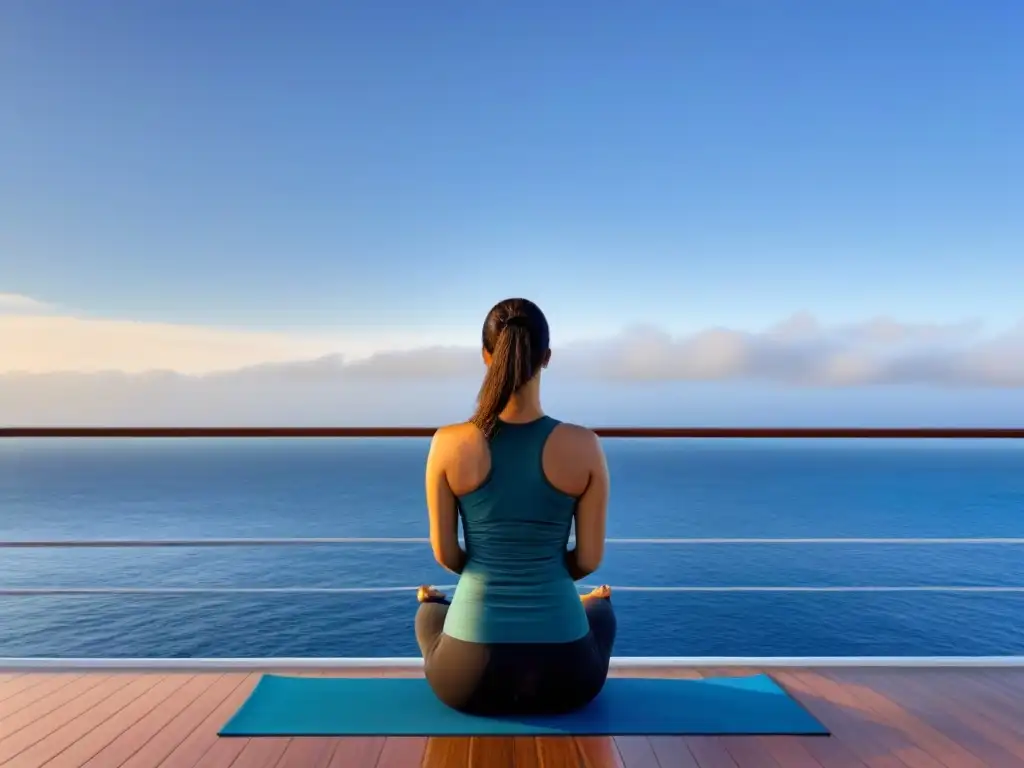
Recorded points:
(515, 587)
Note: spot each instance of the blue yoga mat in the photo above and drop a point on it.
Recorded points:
(339, 706)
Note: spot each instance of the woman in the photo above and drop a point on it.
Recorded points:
(517, 637)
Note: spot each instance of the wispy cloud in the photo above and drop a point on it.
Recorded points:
(16, 304)
(801, 351)
(44, 344)
(37, 338)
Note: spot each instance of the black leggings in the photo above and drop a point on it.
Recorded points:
(516, 678)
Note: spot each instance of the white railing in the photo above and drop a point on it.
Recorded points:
(256, 664)
(71, 591)
(316, 541)
(380, 588)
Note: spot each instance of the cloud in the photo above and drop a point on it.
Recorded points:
(799, 371)
(39, 348)
(13, 303)
(799, 352)
(45, 344)
(36, 338)
(276, 397)
(802, 352)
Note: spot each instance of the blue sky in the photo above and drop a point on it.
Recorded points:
(371, 174)
(685, 164)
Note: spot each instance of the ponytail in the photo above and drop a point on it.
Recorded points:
(511, 367)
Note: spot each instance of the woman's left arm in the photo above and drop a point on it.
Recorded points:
(441, 506)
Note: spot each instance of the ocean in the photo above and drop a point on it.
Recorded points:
(151, 489)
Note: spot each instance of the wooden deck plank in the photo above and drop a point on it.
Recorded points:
(672, 752)
(49, 685)
(709, 752)
(880, 718)
(888, 734)
(260, 753)
(748, 752)
(986, 730)
(525, 750)
(402, 752)
(492, 752)
(40, 700)
(193, 748)
(447, 750)
(144, 689)
(19, 684)
(832, 753)
(357, 753)
(22, 732)
(223, 752)
(186, 723)
(937, 745)
(636, 752)
(999, 684)
(989, 696)
(558, 752)
(137, 724)
(790, 751)
(308, 752)
(852, 732)
(115, 739)
(829, 752)
(599, 752)
(1010, 680)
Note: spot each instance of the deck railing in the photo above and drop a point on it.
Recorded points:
(126, 664)
(957, 433)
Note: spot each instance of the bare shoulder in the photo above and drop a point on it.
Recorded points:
(459, 451)
(453, 440)
(581, 436)
(461, 434)
(572, 457)
(581, 442)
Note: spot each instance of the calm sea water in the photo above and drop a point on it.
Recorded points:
(52, 489)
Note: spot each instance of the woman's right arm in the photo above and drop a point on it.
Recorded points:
(442, 508)
(591, 511)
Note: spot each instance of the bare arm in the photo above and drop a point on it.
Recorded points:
(591, 515)
(441, 507)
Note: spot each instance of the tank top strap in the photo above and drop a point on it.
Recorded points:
(517, 450)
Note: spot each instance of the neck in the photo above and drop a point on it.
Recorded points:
(524, 405)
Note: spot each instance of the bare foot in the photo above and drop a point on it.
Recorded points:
(426, 592)
(604, 591)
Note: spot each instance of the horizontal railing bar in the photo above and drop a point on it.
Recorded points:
(131, 543)
(68, 591)
(315, 541)
(46, 664)
(627, 432)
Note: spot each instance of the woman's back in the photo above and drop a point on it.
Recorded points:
(517, 636)
(515, 587)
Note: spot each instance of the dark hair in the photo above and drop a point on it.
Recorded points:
(516, 336)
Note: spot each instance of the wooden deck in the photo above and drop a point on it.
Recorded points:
(880, 718)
